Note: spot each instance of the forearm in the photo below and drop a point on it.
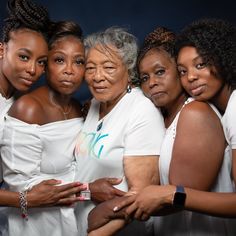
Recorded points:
(141, 172)
(11, 199)
(217, 204)
(8, 198)
(109, 229)
(210, 203)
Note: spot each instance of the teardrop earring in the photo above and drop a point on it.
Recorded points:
(129, 88)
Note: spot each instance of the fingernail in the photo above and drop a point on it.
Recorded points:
(115, 208)
(81, 198)
(85, 186)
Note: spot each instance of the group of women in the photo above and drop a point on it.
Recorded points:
(161, 116)
(195, 153)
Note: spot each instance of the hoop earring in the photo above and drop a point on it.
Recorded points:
(129, 88)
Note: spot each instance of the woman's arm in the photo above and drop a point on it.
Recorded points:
(152, 199)
(196, 158)
(45, 193)
(103, 213)
(109, 229)
(234, 164)
(140, 171)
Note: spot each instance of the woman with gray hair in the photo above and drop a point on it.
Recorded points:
(123, 131)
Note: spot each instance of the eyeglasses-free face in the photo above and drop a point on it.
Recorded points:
(106, 74)
(24, 58)
(197, 77)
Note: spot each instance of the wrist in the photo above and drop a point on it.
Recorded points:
(179, 197)
(31, 199)
(23, 204)
(86, 194)
(170, 192)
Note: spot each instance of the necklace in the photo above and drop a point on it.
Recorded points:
(65, 112)
(99, 126)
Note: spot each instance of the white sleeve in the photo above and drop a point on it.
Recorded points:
(145, 131)
(21, 154)
(230, 122)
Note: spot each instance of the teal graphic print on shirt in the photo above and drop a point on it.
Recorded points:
(90, 144)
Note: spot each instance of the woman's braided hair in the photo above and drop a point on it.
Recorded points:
(161, 39)
(25, 14)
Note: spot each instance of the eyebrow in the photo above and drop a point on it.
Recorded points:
(30, 52)
(65, 53)
(103, 62)
(25, 49)
(194, 60)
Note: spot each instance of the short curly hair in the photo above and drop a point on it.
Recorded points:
(120, 38)
(215, 41)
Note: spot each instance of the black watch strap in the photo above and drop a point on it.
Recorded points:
(179, 197)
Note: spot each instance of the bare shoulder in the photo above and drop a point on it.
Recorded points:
(28, 108)
(199, 117)
(198, 112)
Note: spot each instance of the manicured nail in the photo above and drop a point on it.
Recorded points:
(81, 198)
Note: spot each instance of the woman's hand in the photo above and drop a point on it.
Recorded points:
(103, 189)
(48, 193)
(148, 201)
(103, 213)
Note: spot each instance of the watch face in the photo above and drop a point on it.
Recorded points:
(179, 199)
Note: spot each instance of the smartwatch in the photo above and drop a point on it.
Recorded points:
(179, 197)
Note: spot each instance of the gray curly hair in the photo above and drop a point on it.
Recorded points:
(125, 43)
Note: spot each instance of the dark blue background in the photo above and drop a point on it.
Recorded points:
(140, 17)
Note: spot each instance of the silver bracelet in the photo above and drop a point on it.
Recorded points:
(23, 204)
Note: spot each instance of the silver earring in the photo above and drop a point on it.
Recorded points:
(129, 88)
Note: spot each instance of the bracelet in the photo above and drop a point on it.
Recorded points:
(86, 194)
(23, 204)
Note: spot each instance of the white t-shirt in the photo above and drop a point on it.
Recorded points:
(134, 127)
